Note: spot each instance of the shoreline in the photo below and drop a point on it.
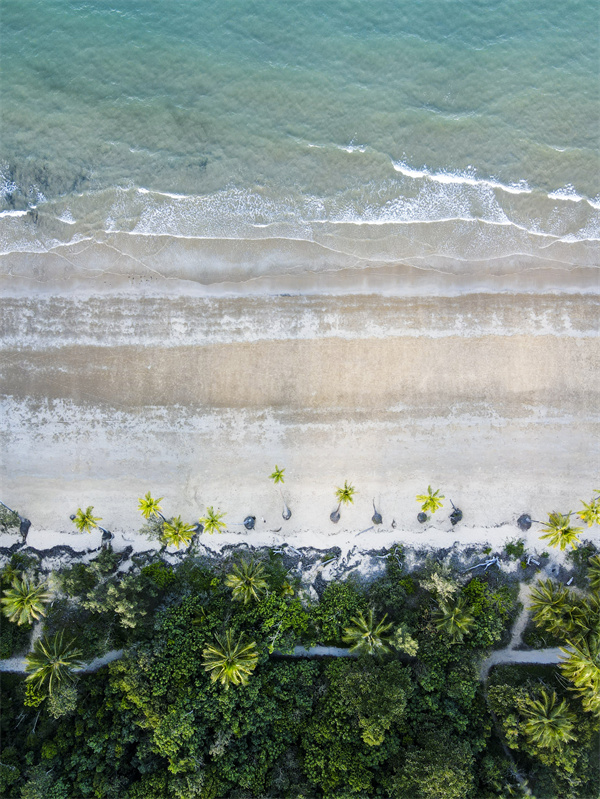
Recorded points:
(491, 398)
(206, 267)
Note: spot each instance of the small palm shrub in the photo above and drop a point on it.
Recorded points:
(51, 663)
(24, 601)
(230, 662)
(247, 581)
(366, 635)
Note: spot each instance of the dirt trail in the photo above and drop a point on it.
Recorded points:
(511, 654)
(18, 664)
(499, 658)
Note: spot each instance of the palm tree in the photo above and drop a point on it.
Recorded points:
(150, 507)
(247, 581)
(548, 601)
(24, 602)
(85, 521)
(52, 662)
(175, 532)
(560, 533)
(344, 496)
(591, 513)
(549, 723)
(594, 572)
(366, 635)
(230, 663)
(582, 667)
(432, 500)
(212, 521)
(277, 477)
(454, 618)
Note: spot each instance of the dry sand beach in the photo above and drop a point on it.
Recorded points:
(109, 391)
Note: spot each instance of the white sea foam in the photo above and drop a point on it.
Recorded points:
(567, 193)
(460, 179)
(67, 217)
(13, 213)
(169, 194)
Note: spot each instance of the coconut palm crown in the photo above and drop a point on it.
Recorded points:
(345, 495)
(230, 662)
(52, 662)
(212, 521)
(175, 532)
(590, 513)
(549, 722)
(368, 636)
(85, 521)
(148, 506)
(581, 665)
(277, 476)
(593, 572)
(548, 600)
(24, 602)
(559, 531)
(247, 581)
(454, 618)
(432, 500)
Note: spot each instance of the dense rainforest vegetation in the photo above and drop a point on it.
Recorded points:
(207, 700)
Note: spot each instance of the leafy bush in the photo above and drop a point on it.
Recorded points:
(339, 603)
(388, 594)
(160, 574)
(106, 563)
(491, 610)
(9, 519)
(77, 580)
(515, 549)
(13, 639)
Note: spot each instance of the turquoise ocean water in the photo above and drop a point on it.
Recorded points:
(439, 132)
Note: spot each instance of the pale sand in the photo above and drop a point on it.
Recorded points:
(492, 398)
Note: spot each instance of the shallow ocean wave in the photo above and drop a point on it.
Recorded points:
(450, 227)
